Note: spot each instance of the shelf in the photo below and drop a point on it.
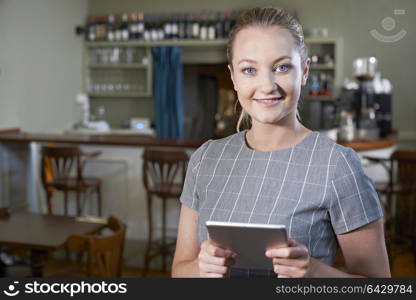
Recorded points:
(119, 95)
(118, 66)
(187, 43)
(322, 67)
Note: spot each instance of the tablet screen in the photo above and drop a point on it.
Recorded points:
(250, 241)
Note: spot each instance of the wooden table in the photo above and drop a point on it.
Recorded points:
(41, 234)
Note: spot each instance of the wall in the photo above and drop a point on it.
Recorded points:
(351, 19)
(40, 63)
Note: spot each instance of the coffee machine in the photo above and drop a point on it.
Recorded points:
(368, 99)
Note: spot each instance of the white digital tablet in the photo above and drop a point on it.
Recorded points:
(249, 241)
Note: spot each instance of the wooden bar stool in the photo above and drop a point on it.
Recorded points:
(163, 176)
(58, 165)
(400, 206)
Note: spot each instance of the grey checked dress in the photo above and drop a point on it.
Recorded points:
(316, 188)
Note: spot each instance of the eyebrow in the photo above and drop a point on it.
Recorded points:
(253, 61)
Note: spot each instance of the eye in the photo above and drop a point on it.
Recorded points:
(282, 68)
(249, 71)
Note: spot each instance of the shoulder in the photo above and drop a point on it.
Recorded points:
(344, 159)
(336, 150)
(213, 148)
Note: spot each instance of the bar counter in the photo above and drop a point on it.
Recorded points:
(146, 141)
(119, 167)
(96, 139)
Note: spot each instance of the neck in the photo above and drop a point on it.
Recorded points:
(272, 137)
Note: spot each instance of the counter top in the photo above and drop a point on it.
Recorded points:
(364, 145)
(147, 141)
(109, 140)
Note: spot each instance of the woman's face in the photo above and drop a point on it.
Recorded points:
(267, 73)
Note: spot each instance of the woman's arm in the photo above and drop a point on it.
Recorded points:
(185, 261)
(364, 251)
(191, 260)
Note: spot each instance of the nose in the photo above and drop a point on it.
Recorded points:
(267, 83)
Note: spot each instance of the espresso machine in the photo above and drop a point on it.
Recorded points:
(368, 99)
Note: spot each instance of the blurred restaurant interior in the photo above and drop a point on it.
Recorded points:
(92, 103)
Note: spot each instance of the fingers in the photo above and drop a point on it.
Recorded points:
(290, 261)
(215, 250)
(209, 268)
(289, 271)
(214, 261)
(213, 275)
(294, 250)
(298, 263)
(219, 261)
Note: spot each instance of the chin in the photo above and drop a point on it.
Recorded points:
(269, 118)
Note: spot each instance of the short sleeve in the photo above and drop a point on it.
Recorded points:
(190, 193)
(354, 202)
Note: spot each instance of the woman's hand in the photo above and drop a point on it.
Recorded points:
(291, 261)
(214, 261)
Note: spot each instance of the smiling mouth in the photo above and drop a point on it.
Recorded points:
(269, 100)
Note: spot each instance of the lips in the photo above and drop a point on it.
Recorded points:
(269, 101)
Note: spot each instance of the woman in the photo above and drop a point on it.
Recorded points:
(278, 171)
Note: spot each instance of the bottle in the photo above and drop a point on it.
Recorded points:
(346, 127)
(314, 85)
(146, 28)
(140, 26)
(119, 30)
(110, 28)
(182, 27)
(125, 27)
(203, 29)
(219, 26)
(189, 26)
(160, 30)
(175, 27)
(154, 28)
(167, 28)
(226, 23)
(195, 27)
(132, 24)
(101, 28)
(323, 85)
(212, 35)
(91, 36)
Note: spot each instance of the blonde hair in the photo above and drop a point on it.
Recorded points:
(267, 16)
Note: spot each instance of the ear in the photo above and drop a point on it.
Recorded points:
(305, 72)
(232, 76)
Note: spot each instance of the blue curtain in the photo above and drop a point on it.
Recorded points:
(167, 91)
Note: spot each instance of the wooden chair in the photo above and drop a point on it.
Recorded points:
(400, 205)
(161, 169)
(104, 252)
(57, 168)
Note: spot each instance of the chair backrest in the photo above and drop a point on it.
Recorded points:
(58, 162)
(161, 167)
(104, 253)
(406, 167)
